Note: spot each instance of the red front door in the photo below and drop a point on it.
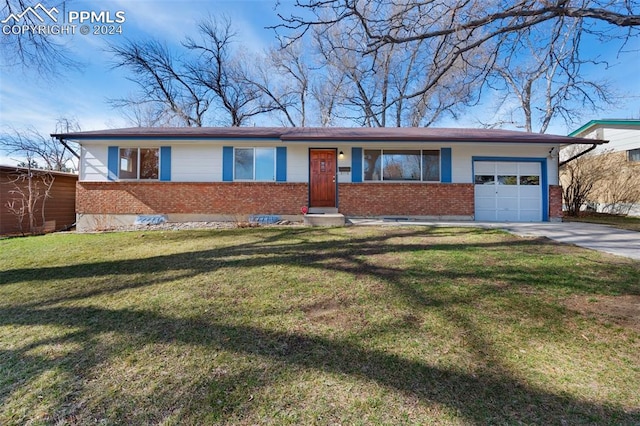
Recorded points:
(322, 163)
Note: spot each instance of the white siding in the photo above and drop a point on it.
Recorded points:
(202, 161)
(93, 163)
(196, 163)
(622, 139)
(619, 139)
(344, 177)
(462, 155)
(297, 163)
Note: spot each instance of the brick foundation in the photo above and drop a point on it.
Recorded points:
(224, 198)
(407, 199)
(555, 202)
(246, 198)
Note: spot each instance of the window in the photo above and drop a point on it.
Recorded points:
(139, 163)
(255, 164)
(431, 166)
(634, 154)
(402, 165)
(507, 180)
(531, 180)
(485, 180)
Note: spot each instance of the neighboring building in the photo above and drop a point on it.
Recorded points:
(60, 208)
(624, 152)
(623, 136)
(224, 173)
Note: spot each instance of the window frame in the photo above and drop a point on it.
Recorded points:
(254, 148)
(138, 160)
(421, 154)
(633, 153)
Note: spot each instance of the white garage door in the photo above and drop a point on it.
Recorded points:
(508, 191)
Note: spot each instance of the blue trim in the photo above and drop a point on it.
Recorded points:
(281, 164)
(544, 184)
(445, 165)
(356, 165)
(165, 163)
(112, 162)
(227, 164)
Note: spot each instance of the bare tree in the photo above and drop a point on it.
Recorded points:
(34, 51)
(380, 86)
(167, 90)
(325, 92)
(30, 190)
(284, 77)
(476, 21)
(542, 69)
(619, 189)
(220, 71)
(580, 176)
(473, 36)
(44, 152)
(32, 181)
(205, 82)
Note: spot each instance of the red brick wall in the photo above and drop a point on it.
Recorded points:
(356, 199)
(360, 199)
(555, 202)
(190, 198)
(379, 199)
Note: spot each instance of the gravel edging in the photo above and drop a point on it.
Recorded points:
(185, 226)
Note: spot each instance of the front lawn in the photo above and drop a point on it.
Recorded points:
(629, 223)
(360, 325)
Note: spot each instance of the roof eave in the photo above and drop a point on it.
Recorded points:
(604, 123)
(323, 135)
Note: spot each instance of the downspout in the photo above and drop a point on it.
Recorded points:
(61, 139)
(578, 155)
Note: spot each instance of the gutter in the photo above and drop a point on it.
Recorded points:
(580, 154)
(61, 139)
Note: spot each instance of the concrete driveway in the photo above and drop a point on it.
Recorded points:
(596, 237)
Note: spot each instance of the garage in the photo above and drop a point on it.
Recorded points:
(510, 191)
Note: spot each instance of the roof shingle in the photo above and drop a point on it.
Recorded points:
(293, 134)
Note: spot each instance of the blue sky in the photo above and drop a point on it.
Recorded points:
(29, 100)
(83, 93)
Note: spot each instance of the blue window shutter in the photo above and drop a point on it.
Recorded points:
(112, 163)
(445, 165)
(356, 164)
(227, 164)
(281, 164)
(165, 163)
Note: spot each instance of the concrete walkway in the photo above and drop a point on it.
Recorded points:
(596, 237)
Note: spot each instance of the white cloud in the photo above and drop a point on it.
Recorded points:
(8, 160)
(172, 21)
(82, 94)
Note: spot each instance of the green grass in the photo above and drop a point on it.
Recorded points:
(315, 326)
(623, 222)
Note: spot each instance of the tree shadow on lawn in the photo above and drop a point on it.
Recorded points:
(346, 255)
(492, 395)
(478, 398)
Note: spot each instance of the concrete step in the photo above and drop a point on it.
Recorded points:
(323, 210)
(328, 219)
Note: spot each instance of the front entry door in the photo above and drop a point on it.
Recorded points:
(322, 166)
